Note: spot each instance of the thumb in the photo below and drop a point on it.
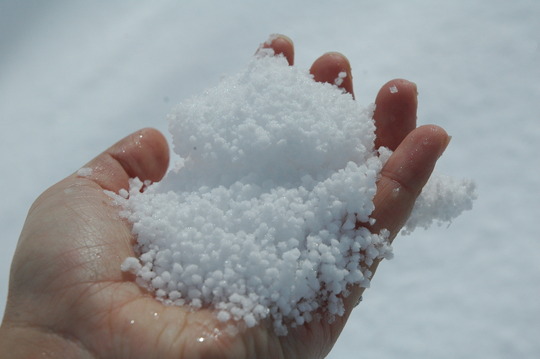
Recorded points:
(143, 154)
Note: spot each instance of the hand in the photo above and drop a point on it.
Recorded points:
(69, 299)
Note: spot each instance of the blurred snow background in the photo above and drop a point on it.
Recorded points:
(77, 76)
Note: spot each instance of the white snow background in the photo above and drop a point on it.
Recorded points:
(77, 76)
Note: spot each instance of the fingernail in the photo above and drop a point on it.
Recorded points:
(274, 37)
(415, 87)
(415, 92)
(286, 38)
(445, 145)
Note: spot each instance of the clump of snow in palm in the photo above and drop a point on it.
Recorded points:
(260, 219)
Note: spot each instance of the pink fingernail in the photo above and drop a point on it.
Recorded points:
(445, 145)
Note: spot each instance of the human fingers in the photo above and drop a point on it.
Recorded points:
(405, 174)
(402, 179)
(143, 154)
(281, 44)
(333, 68)
(395, 112)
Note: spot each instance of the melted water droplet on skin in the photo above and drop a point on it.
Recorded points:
(214, 334)
(138, 140)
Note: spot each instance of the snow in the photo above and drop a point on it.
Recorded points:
(339, 80)
(469, 290)
(263, 211)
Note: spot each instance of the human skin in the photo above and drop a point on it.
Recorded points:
(68, 297)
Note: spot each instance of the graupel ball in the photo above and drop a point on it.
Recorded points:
(259, 219)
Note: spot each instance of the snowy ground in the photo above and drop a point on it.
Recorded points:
(74, 78)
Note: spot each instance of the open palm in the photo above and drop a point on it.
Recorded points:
(68, 297)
